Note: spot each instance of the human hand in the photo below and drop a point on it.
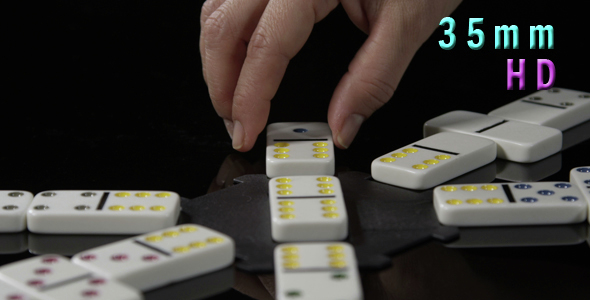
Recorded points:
(246, 46)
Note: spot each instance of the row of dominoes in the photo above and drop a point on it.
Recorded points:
(119, 271)
(88, 212)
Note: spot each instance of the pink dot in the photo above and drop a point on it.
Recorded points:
(150, 257)
(90, 293)
(49, 260)
(15, 297)
(119, 257)
(97, 281)
(35, 282)
(88, 257)
(42, 271)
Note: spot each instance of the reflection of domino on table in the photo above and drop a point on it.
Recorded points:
(580, 177)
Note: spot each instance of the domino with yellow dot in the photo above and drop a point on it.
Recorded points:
(515, 141)
(155, 259)
(499, 204)
(433, 160)
(309, 271)
(13, 210)
(580, 177)
(556, 107)
(102, 212)
(307, 208)
(299, 148)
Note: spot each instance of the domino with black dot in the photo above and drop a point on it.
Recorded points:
(580, 177)
(13, 210)
(500, 204)
(307, 208)
(309, 271)
(102, 212)
(299, 148)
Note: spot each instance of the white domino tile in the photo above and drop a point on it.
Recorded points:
(580, 177)
(307, 208)
(433, 160)
(9, 292)
(102, 212)
(516, 141)
(299, 148)
(152, 260)
(557, 107)
(311, 271)
(499, 204)
(13, 210)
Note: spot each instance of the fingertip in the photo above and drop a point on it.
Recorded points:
(348, 131)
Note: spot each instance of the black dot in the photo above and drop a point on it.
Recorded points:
(300, 130)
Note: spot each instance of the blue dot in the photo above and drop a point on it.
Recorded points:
(583, 170)
(587, 181)
(300, 130)
(523, 186)
(569, 198)
(563, 185)
(529, 200)
(546, 192)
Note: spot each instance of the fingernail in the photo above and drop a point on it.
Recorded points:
(229, 126)
(238, 136)
(349, 129)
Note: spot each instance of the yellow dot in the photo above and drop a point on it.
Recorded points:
(420, 166)
(288, 216)
(291, 257)
(324, 179)
(153, 238)
(489, 187)
(281, 150)
(387, 159)
(214, 240)
(158, 208)
(448, 188)
(495, 200)
(399, 155)
(335, 248)
(321, 155)
(281, 156)
(286, 203)
(410, 150)
(123, 194)
(142, 195)
(431, 161)
(170, 234)
(137, 208)
(198, 244)
(338, 264)
(320, 144)
(330, 208)
(331, 215)
(291, 265)
(320, 149)
(474, 201)
(284, 186)
(454, 202)
(443, 157)
(286, 209)
(326, 191)
(336, 256)
(284, 192)
(182, 249)
(117, 207)
(282, 145)
(325, 185)
(163, 195)
(469, 188)
(188, 229)
(283, 180)
(328, 202)
(290, 249)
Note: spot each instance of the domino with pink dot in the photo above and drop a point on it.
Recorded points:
(13, 210)
(580, 177)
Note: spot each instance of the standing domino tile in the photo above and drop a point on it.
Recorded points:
(299, 149)
(102, 212)
(558, 108)
(13, 210)
(516, 141)
(534, 203)
(54, 277)
(433, 160)
(310, 271)
(307, 208)
(152, 260)
(580, 177)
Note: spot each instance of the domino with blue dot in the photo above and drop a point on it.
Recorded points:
(433, 160)
(310, 271)
(307, 208)
(556, 107)
(580, 177)
(499, 204)
(13, 210)
(102, 212)
(515, 141)
(299, 148)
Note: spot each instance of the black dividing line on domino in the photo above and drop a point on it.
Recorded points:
(103, 200)
(434, 149)
(490, 127)
(299, 140)
(319, 269)
(65, 282)
(307, 197)
(544, 104)
(152, 248)
(508, 193)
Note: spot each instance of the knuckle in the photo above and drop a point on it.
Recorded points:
(263, 45)
(378, 92)
(206, 10)
(215, 26)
